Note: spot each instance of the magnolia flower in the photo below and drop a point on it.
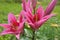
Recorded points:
(14, 26)
(40, 16)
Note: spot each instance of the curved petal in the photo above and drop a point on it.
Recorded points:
(32, 26)
(5, 25)
(24, 4)
(50, 7)
(34, 2)
(6, 32)
(12, 19)
(49, 16)
(20, 19)
(39, 23)
(42, 21)
(29, 3)
(23, 13)
(29, 11)
(40, 12)
(28, 17)
(21, 27)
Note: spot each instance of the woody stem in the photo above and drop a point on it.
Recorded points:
(23, 30)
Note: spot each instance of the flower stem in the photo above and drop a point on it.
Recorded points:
(16, 39)
(34, 10)
(33, 37)
(11, 37)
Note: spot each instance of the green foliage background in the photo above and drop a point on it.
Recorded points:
(10, 1)
(46, 32)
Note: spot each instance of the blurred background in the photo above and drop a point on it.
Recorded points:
(49, 31)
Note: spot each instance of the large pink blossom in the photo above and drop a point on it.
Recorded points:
(36, 20)
(14, 26)
(40, 16)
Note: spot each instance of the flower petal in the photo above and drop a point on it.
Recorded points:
(50, 7)
(24, 4)
(34, 2)
(6, 32)
(49, 16)
(29, 3)
(32, 26)
(39, 23)
(21, 27)
(12, 19)
(20, 19)
(17, 36)
(40, 12)
(5, 25)
(28, 7)
(28, 17)
(29, 11)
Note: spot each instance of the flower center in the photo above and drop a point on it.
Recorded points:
(36, 18)
(14, 28)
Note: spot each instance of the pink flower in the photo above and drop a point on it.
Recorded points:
(40, 16)
(36, 20)
(14, 26)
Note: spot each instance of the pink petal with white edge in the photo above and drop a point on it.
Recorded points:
(5, 25)
(39, 23)
(50, 7)
(40, 12)
(12, 19)
(6, 32)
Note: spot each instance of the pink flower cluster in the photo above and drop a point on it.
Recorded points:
(34, 17)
